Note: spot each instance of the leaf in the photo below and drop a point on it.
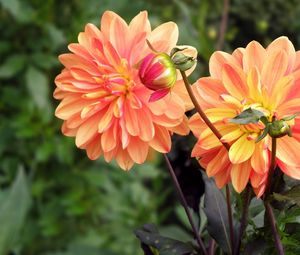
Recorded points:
(13, 210)
(292, 195)
(216, 211)
(19, 10)
(12, 66)
(150, 236)
(290, 117)
(37, 85)
(247, 116)
(45, 61)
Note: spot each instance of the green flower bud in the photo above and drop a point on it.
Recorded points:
(279, 128)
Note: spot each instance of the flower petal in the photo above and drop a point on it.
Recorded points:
(169, 31)
(254, 56)
(240, 175)
(274, 68)
(288, 150)
(241, 150)
(137, 150)
(162, 140)
(234, 80)
(219, 163)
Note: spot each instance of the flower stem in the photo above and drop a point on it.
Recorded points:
(271, 169)
(226, 145)
(229, 211)
(272, 220)
(268, 207)
(243, 220)
(200, 111)
(212, 246)
(223, 25)
(185, 205)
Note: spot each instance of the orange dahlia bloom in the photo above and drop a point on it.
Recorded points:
(267, 80)
(103, 102)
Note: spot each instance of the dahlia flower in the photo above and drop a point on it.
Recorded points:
(267, 80)
(103, 102)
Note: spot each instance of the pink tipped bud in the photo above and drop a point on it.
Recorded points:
(157, 72)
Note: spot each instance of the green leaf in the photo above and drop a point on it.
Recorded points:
(12, 66)
(19, 10)
(247, 116)
(292, 195)
(263, 135)
(216, 212)
(45, 61)
(149, 235)
(13, 211)
(37, 85)
(290, 117)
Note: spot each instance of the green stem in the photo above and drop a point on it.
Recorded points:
(271, 169)
(185, 205)
(247, 198)
(226, 145)
(271, 217)
(268, 206)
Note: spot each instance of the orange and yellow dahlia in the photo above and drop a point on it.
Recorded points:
(103, 102)
(267, 80)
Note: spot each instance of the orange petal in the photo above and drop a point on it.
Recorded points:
(106, 20)
(93, 149)
(288, 151)
(217, 60)
(70, 106)
(87, 131)
(274, 68)
(196, 125)
(182, 128)
(223, 177)
(108, 139)
(180, 90)
(169, 31)
(238, 54)
(145, 124)
(106, 117)
(280, 91)
(283, 43)
(209, 91)
(162, 140)
(131, 120)
(119, 33)
(254, 84)
(240, 175)
(138, 150)
(260, 160)
(234, 80)
(292, 171)
(219, 163)
(241, 150)
(254, 56)
(123, 159)
(289, 107)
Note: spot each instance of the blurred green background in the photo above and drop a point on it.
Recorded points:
(66, 204)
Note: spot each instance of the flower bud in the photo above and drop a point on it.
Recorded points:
(279, 128)
(158, 73)
(183, 62)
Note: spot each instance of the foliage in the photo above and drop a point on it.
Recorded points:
(68, 205)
